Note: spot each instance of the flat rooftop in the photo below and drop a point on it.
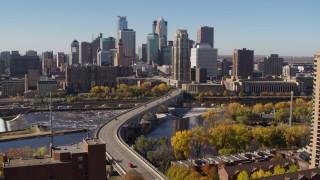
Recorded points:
(72, 148)
(31, 162)
(94, 141)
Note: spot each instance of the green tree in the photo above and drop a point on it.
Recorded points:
(143, 145)
(161, 157)
(293, 168)
(243, 175)
(199, 140)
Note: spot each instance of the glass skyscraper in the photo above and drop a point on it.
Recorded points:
(122, 23)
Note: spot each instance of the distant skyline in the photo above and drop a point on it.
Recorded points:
(284, 27)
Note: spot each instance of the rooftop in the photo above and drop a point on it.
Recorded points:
(72, 148)
(94, 141)
(30, 162)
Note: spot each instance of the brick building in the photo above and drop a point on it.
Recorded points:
(85, 160)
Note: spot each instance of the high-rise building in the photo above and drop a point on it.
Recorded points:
(152, 48)
(84, 53)
(61, 59)
(19, 65)
(105, 58)
(205, 35)
(107, 43)
(204, 56)
(166, 55)
(314, 148)
(181, 56)
(122, 23)
(273, 65)
(15, 53)
(95, 46)
(142, 52)
(31, 53)
(242, 63)
(120, 59)
(47, 62)
(5, 56)
(160, 27)
(128, 37)
(74, 53)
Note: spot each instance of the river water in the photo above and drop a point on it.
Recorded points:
(186, 118)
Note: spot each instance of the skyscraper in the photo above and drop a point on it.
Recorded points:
(272, 65)
(128, 37)
(119, 56)
(122, 23)
(74, 52)
(61, 59)
(47, 62)
(31, 53)
(5, 56)
(181, 56)
(204, 56)
(205, 35)
(152, 48)
(84, 53)
(107, 43)
(242, 63)
(314, 148)
(160, 27)
(142, 52)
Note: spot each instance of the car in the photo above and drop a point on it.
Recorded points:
(130, 164)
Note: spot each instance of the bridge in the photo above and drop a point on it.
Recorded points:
(114, 134)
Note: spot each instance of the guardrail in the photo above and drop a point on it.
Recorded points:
(137, 155)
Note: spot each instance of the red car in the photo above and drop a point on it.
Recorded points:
(130, 165)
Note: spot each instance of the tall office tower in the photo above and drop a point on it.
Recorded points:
(74, 53)
(142, 52)
(84, 53)
(120, 59)
(31, 53)
(15, 53)
(95, 45)
(105, 58)
(122, 23)
(166, 55)
(313, 148)
(152, 48)
(128, 37)
(5, 56)
(160, 27)
(47, 62)
(272, 65)
(205, 35)
(19, 65)
(61, 59)
(107, 43)
(181, 56)
(204, 56)
(242, 63)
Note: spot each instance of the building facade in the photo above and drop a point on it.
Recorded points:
(84, 53)
(46, 86)
(203, 56)
(5, 56)
(61, 59)
(128, 37)
(120, 59)
(205, 34)
(160, 27)
(74, 53)
(12, 87)
(272, 65)
(122, 23)
(313, 148)
(242, 63)
(107, 43)
(47, 62)
(31, 53)
(181, 56)
(19, 65)
(142, 52)
(152, 48)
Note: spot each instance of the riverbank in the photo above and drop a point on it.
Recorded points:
(34, 132)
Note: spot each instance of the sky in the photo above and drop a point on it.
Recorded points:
(284, 27)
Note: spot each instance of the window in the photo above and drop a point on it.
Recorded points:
(80, 158)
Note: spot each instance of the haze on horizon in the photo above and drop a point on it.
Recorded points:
(286, 27)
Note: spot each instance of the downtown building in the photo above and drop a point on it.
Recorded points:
(142, 52)
(204, 56)
(128, 37)
(47, 63)
(152, 48)
(205, 34)
(31, 53)
(242, 63)
(122, 23)
(272, 65)
(181, 56)
(5, 56)
(84, 53)
(19, 65)
(74, 59)
(82, 78)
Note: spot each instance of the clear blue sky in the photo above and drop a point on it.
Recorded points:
(286, 27)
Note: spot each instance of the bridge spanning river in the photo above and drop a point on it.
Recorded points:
(112, 133)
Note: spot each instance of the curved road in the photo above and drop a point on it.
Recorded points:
(119, 152)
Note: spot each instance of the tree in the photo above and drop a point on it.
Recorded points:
(243, 175)
(258, 108)
(181, 144)
(1, 162)
(279, 170)
(199, 140)
(268, 108)
(210, 117)
(143, 145)
(209, 171)
(133, 175)
(268, 173)
(293, 168)
(161, 157)
(42, 151)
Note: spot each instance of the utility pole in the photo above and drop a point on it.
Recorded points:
(51, 129)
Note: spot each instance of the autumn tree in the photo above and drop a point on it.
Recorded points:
(199, 140)
(293, 168)
(143, 145)
(162, 157)
(279, 170)
(268, 108)
(210, 117)
(181, 144)
(133, 175)
(243, 175)
(258, 108)
(42, 151)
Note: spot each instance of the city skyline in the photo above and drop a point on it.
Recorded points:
(287, 28)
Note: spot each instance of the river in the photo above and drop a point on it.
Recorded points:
(91, 119)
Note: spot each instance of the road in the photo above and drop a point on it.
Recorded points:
(119, 152)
